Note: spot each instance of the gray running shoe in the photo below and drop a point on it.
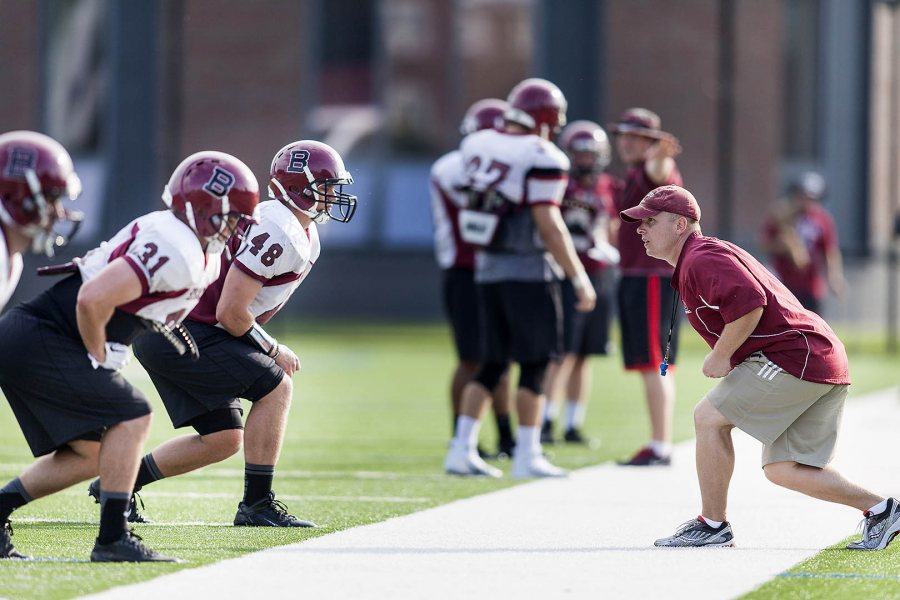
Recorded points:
(696, 533)
(7, 550)
(879, 530)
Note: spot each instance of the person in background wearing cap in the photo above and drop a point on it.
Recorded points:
(802, 242)
(645, 297)
(784, 375)
(456, 259)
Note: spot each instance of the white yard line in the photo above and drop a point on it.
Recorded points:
(588, 536)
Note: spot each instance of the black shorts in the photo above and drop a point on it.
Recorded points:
(228, 369)
(522, 321)
(585, 334)
(645, 313)
(55, 393)
(461, 306)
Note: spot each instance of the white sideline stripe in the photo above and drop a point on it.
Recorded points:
(210, 495)
(285, 473)
(588, 536)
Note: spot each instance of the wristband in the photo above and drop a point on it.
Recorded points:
(257, 336)
(580, 281)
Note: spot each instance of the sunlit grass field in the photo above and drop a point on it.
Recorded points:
(367, 436)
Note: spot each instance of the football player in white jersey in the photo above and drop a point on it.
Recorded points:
(238, 358)
(456, 259)
(36, 176)
(516, 180)
(62, 351)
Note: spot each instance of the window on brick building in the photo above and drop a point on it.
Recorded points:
(801, 42)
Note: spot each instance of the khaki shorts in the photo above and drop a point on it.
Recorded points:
(795, 420)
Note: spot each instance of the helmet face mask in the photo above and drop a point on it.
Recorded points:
(36, 176)
(212, 193)
(309, 176)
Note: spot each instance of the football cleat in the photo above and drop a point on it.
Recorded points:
(267, 512)
(460, 461)
(128, 548)
(7, 550)
(134, 515)
(547, 433)
(535, 466)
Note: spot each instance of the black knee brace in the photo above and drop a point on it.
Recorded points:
(531, 376)
(218, 420)
(489, 374)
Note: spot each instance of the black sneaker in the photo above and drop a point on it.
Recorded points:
(7, 550)
(547, 433)
(697, 533)
(878, 530)
(134, 515)
(574, 436)
(505, 448)
(267, 512)
(128, 548)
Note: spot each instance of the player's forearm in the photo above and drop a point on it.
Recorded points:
(559, 244)
(659, 169)
(236, 321)
(736, 333)
(92, 318)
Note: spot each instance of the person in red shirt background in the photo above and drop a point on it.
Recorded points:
(645, 298)
(588, 210)
(802, 242)
(784, 375)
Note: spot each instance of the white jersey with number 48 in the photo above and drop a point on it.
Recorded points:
(279, 253)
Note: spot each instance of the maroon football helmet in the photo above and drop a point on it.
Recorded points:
(587, 136)
(484, 114)
(305, 173)
(207, 188)
(36, 174)
(536, 102)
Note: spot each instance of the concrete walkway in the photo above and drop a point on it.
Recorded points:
(589, 536)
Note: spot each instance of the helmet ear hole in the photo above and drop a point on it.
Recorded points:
(294, 189)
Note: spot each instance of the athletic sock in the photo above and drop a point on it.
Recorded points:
(12, 496)
(113, 516)
(661, 449)
(879, 508)
(504, 430)
(257, 482)
(711, 523)
(574, 414)
(550, 410)
(529, 443)
(467, 429)
(147, 473)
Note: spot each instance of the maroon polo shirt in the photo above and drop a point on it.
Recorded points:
(719, 283)
(816, 229)
(634, 259)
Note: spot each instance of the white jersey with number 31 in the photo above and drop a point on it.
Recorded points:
(167, 258)
(10, 271)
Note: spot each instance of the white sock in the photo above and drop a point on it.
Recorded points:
(467, 430)
(879, 508)
(574, 414)
(713, 524)
(529, 441)
(550, 409)
(662, 449)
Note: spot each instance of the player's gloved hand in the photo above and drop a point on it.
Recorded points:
(117, 356)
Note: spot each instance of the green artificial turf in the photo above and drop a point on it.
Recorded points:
(366, 440)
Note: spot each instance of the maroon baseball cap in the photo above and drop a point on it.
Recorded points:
(638, 121)
(668, 198)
